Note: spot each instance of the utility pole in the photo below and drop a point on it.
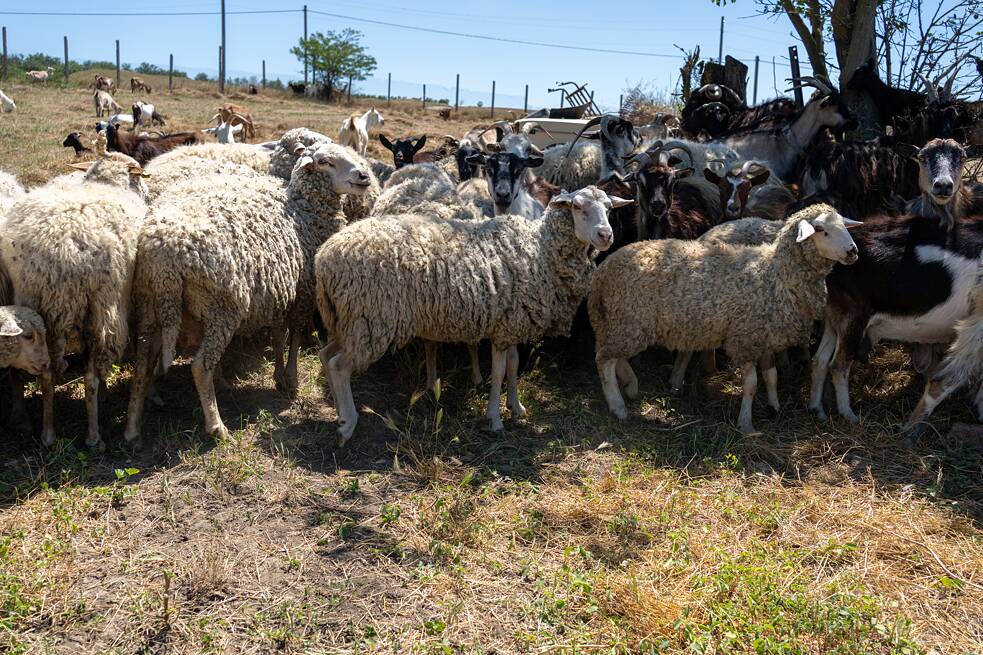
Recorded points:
(221, 80)
(305, 44)
(221, 73)
(720, 50)
(756, 62)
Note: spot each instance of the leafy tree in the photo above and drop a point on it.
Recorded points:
(336, 56)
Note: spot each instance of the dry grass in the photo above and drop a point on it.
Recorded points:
(570, 533)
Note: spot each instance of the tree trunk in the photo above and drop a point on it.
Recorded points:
(811, 34)
(853, 36)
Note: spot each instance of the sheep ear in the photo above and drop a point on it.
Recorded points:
(563, 199)
(299, 149)
(9, 328)
(619, 202)
(806, 230)
(304, 162)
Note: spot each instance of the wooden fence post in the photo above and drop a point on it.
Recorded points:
(3, 64)
(389, 88)
(424, 96)
(170, 74)
(525, 103)
(349, 89)
(493, 100)
(117, 65)
(264, 73)
(793, 55)
(66, 59)
(457, 88)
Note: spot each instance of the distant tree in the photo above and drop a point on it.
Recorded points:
(201, 77)
(146, 68)
(336, 56)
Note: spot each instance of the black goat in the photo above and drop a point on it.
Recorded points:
(405, 151)
(669, 205)
(74, 140)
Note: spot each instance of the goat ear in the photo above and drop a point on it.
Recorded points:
(532, 161)
(422, 141)
(711, 176)
(386, 143)
(806, 230)
(9, 328)
(619, 202)
(761, 177)
(299, 149)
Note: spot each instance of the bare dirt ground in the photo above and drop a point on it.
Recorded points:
(571, 532)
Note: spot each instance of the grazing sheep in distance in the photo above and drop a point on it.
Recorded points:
(385, 281)
(6, 103)
(104, 103)
(137, 84)
(354, 131)
(23, 342)
(236, 115)
(693, 296)
(40, 76)
(69, 250)
(219, 258)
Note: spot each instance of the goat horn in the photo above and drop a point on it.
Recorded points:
(591, 123)
(713, 91)
(642, 159)
(746, 167)
(679, 145)
(930, 91)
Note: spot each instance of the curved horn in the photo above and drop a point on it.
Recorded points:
(532, 127)
(643, 159)
(679, 145)
(930, 91)
(746, 167)
(712, 91)
(591, 123)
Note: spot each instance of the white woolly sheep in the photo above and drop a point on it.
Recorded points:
(422, 189)
(10, 191)
(219, 259)
(693, 296)
(70, 250)
(254, 156)
(7, 103)
(385, 281)
(285, 153)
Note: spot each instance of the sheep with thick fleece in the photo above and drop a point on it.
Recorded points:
(176, 171)
(385, 281)
(70, 251)
(254, 156)
(218, 258)
(285, 153)
(751, 301)
(423, 189)
(23, 342)
(743, 231)
(581, 168)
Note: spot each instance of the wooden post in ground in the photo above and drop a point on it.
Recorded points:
(3, 63)
(493, 100)
(264, 73)
(525, 103)
(170, 73)
(457, 88)
(757, 61)
(66, 59)
(793, 56)
(117, 65)
(389, 88)
(424, 96)
(349, 89)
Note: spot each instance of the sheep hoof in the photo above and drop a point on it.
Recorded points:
(773, 412)
(675, 392)
(345, 432)
(218, 432)
(48, 438)
(851, 417)
(95, 444)
(496, 425)
(518, 411)
(819, 413)
(620, 412)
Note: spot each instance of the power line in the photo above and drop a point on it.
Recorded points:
(496, 38)
(154, 13)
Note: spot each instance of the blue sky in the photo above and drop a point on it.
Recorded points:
(415, 58)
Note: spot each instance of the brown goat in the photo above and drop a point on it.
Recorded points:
(103, 83)
(236, 115)
(137, 84)
(145, 148)
(445, 113)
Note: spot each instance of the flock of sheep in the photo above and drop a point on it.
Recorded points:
(666, 241)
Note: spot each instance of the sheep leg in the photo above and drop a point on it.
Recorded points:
(770, 374)
(678, 376)
(841, 385)
(341, 385)
(205, 383)
(935, 392)
(93, 439)
(608, 370)
(708, 361)
(48, 408)
(749, 383)
(627, 378)
(499, 364)
(476, 377)
(430, 355)
(148, 350)
(279, 339)
(512, 367)
(978, 402)
(293, 376)
(820, 368)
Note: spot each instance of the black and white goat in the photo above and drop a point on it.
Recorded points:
(912, 282)
(145, 115)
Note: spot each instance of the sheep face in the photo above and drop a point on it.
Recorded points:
(940, 165)
(590, 207)
(335, 164)
(828, 233)
(403, 149)
(735, 185)
(24, 340)
(504, 172)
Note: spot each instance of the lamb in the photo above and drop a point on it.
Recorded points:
(387, 280)
(7, 103)
(70, 250)
(218, 258)
(104, 102)
(692, 295)
(23, 341)
(354, 131)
